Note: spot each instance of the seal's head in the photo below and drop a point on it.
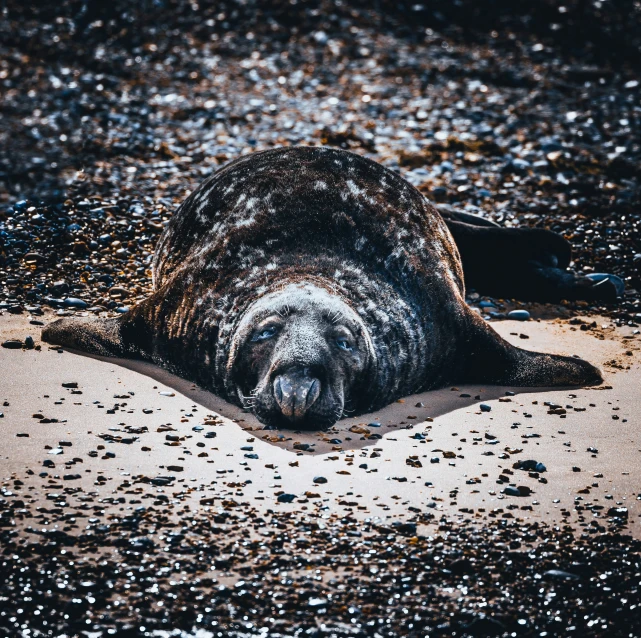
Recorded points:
(298, 357)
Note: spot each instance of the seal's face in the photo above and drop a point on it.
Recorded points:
(297, 356)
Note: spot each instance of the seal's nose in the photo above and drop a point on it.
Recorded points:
(295, 392)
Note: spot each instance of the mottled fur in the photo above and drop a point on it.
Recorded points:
(338, 221)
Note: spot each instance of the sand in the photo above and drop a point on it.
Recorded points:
(592, 452)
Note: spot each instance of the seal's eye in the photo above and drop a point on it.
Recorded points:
(344, 344)
(265, 333)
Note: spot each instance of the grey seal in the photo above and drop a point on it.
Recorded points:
(305, 283)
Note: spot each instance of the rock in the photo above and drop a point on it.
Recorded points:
(118, 292)
(12, 344)
(175, 468)
(286, 498)
(559, 574)
(60, 287)
(34, 258)
(518, 315)
(485, 407)
(74, 302)
(618, 512)
(29, 343)
(70, 384)
(619, 284)
(521, 490)
(320, 479)
(530, 466)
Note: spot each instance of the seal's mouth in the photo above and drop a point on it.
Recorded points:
(299, 398)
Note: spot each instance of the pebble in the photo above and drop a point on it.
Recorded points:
(485, 407)
(521, 490)
(286, 498)
(619, 284)
(530, 466)
(518, 315)
(559, 574)
(12, 344)
(320, 479)
(74, 302)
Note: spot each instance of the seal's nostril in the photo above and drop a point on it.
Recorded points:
(278, 391)
(295, 394)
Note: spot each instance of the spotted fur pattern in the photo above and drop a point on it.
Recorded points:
(310, 214)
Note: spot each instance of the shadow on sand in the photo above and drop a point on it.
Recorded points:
(416, 412)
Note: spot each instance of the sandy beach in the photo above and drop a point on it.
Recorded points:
(95, 425)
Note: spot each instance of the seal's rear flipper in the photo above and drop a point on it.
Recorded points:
(124, 336)
(488, 358)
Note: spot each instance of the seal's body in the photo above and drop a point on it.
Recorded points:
(302, 282)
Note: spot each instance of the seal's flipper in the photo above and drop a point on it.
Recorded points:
(488, 358)
(124, 336)
(96, 336)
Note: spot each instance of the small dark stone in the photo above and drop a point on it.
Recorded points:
(74, 302)
(12, 344)
(320, 479)
(286, 498)
(559, 574)
(530, 465)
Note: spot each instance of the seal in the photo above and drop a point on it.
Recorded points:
(308, 283)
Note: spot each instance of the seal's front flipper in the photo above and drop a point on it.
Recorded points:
(96, 336)
(488, 358)
(124, 336)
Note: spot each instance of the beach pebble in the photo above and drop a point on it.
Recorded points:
(619, 284)
(12, 344)
(286, 498)
(485, 407)
(74, 302)
(518, 315)
(559, 574)
(521, 490)
(320, 479)
(530, 465)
